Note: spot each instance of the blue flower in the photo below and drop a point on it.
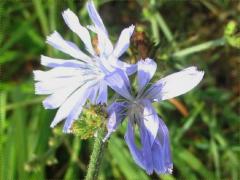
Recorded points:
(70, 83)
(154, 153)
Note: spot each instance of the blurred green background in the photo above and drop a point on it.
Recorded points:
(204, 124)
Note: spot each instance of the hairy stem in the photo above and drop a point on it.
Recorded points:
(96, 157)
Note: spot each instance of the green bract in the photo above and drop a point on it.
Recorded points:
(91, 120)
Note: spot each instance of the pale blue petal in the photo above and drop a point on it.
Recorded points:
(96, 19)
(146, 149)
(75, 112)
(165, 164)
(117, 111)
(56, 40)
(73, 23)
(98, 93)
(155, 157)
(119, 82)
(130, 140)
(128, 68)
(104, 44)
(158, 158)
(175, 84)
(71, 118)
(105, 66)
(103, 93)
(143, 155)
(93, 93)
(77, 99)
(145, 71)
(150, 120)
(123, 41)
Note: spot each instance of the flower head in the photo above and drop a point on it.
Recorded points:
(154, 153)
(70, 83)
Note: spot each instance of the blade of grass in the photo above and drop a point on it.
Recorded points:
(165, 29)
(72, 170)
(3, 97)
(52, 14)
(189, 122)
(199, 48)
(192, 161)
(40, 10)
(124, 160)
(20, 135)
(19, 32)
(24, 103)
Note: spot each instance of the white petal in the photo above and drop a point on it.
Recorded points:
(54, 62)
(57, 98)
(123, 41)
(175, 84)
(58, 72)
(117, 112)
(73, 23)
(56, 40)
(146, 70)
(53, 85)
(50, 86)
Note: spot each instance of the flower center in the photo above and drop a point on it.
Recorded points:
(135, 111)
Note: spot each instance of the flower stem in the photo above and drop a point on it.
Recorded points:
(96, 156)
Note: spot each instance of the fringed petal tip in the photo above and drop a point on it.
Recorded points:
(52, 37)
(132, 27)
(52, 125)
(66, 12)
(194, 72)
(48, 105)
(37, 75)
(66, 130)
(123, 41)
(39, 90)
(169, 170)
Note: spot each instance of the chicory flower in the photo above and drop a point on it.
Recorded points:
(70, 83)
(154, 153)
